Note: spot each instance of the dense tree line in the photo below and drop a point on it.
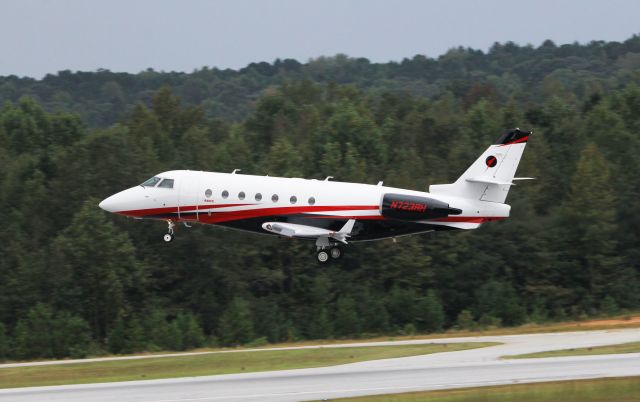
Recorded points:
(505, 71)
(75, 280)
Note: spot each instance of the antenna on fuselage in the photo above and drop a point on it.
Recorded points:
(328, 177)
(236, 170)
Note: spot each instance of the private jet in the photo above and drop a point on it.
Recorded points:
(331, 213)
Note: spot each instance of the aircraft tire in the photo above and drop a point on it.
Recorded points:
(323, 256)
(336, 253)
(168, 238)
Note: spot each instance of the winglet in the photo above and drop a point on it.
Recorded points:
(343, 233)
(348, 227)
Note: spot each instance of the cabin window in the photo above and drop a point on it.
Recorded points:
(293, 199)
(208, 193)
(312, 200)
(151, 182)
(225, 194)
(166, 183)
(274, 198)
(258, 196)
(241, 195)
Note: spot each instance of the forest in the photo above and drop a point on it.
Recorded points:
(77, 281)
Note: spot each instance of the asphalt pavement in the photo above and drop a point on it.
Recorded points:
(476, 367)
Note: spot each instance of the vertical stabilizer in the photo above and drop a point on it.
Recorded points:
(491, 175)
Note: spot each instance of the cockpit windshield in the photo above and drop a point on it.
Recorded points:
(151, 182)
(166, 183)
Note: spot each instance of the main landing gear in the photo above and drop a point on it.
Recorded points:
(333, 252)
(327, 250)
(169, 236)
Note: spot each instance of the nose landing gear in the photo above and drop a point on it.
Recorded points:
(169, 236)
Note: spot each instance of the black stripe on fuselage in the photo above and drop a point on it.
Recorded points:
(363, 230)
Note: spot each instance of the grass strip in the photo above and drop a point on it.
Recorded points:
(632, 347)
(623, 389)
(210, 364)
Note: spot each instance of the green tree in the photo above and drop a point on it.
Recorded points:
(373, 313)
(430, 314)
(41, 333)
(94, 271)
(269, 320)
(192, 335)
(284, 159)
(173, 117)
(465, 320)
(354, 141)
(157, 331)
(320, 326)
(589, 232)
(499, 300)
(135, 338)
(402, 305)
(174, 337)
(346, 318)
(116, 337)
(319, 322)
(4, 342)
(236, 324)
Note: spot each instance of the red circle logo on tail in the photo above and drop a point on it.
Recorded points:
(491, 161)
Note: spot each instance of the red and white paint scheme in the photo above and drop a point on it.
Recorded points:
(331, 213)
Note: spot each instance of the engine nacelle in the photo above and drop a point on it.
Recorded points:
(413, 208)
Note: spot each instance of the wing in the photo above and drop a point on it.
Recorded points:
(306, 231)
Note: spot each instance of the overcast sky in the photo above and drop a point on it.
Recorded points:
(45, 36)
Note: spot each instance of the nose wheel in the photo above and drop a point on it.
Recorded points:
(169, 236)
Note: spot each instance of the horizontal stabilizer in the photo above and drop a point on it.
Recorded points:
(489, 180)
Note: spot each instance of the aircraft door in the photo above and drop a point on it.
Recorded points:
(207, 200)
(189, 197)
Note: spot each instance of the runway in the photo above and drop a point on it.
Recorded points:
(436, 371)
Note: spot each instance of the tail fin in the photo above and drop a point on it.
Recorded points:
(491, 175)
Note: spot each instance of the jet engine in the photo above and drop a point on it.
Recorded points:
(413, 208)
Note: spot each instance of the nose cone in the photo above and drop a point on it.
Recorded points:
(109, 204)
(124, 201)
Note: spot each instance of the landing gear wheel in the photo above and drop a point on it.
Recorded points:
(336, 252)
(323, 256)
(168, 237)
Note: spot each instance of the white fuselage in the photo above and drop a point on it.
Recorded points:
(235, 199)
